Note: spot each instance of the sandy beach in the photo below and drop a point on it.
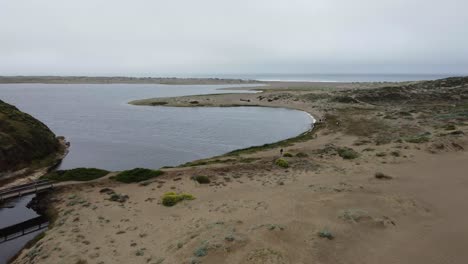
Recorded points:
(380, 179)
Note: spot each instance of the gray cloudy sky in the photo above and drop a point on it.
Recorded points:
(180, 37)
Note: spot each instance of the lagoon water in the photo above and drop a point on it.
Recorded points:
(11, 216)
(106, 132)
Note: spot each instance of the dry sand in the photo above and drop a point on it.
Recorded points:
(257, 212)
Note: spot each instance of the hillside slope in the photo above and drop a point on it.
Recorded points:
(23, 139)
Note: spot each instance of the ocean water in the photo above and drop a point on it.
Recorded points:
(333, 77)
(106, 132)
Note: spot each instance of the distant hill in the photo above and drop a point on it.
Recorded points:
(23, 139)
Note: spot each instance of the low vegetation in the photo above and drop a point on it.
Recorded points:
(347, 153)
(172, 198)
(326, 234)
(23, 139)
(354, 215)
(302, 155)
(137, 175)
(308, 135)
(382, 176)
(288, 155)
(202, 179)
(121, 198)
(78, 174)
(425, 137)
(282, 163)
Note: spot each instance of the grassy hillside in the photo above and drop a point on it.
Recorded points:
(23, 139)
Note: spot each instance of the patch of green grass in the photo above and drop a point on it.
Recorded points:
(206, 162)
(288, 155)
(137, 175)
(306, 136)
(202, 179)
(172, 198)
(282, 163)
(347, 153)
(78, 174)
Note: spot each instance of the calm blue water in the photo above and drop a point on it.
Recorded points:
(333, 77)
(106, 132)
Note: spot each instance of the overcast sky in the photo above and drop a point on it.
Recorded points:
(183, 37)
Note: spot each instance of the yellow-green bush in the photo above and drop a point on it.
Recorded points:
(282, 163)
(172, 198)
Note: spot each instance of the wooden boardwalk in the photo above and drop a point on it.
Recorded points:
(23, 228)
(25, 189)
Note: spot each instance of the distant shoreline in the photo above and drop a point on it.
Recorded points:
(273, 85)
(228, 79)
(119, 79)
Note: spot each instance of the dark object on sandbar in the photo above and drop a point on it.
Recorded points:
(381, 176)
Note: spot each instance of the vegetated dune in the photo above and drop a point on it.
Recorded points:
(23, 139)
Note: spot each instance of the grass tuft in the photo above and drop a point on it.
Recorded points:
(137, 175)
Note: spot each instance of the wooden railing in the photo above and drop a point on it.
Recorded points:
(23, 228)
(25, 189)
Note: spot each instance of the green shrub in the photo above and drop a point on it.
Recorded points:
(202, 179)
(282, 163)
(302, 155)
(201, 251)
(137, 175)
(78, 174)
(425, 137)
(172, 198)
(115, 197)
(347, 153)
(326, 234)
(287, 155)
